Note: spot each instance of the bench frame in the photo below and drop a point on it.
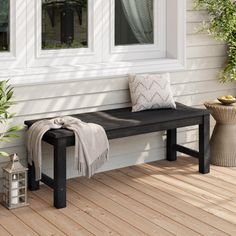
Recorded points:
(58, 183)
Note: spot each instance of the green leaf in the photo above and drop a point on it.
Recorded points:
(15, 128)
(6, 140)
(4, 154)
(9, 95)
(6, 101)
(11, 135)
(10, 115)
(222, 26)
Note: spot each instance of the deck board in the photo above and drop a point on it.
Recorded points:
(4, 232)
(161, 198)
(168, 204)
(137, 221)
(38, 223)
(118, 193)
(195, 187)
(59, 220)
(197, 206)
(213, 178)
(92, 217)
(13, 225)
(194, 197)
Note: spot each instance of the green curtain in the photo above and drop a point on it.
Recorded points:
(4, 11)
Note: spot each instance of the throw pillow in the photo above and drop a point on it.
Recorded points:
(150, 92)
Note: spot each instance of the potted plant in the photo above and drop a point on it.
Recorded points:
(6, 101)
(222, 26)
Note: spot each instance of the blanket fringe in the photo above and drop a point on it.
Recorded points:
(90, 170)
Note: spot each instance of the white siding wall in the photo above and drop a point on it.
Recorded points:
(198, 83)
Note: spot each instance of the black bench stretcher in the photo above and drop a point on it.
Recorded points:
(120, 123)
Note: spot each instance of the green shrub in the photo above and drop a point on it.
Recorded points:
(222, 26)
(6, 101)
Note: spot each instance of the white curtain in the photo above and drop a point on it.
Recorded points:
(139, 14)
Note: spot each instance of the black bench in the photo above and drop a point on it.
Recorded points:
(120, 123)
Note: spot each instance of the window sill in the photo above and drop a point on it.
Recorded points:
(65, 73)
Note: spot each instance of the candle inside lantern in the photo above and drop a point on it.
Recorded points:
(15, 190)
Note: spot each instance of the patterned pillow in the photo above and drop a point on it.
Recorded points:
(150, 92)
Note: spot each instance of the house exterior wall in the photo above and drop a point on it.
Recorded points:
(193, 86)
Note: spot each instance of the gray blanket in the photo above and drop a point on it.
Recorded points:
(91, 143)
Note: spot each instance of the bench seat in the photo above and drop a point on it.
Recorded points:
(120, 123)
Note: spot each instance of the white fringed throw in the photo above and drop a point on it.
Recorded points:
(91, 143)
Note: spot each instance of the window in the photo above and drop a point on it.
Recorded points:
(12, 34)
(93, 37)
(134, 30)
(64, 24)
(4, 25)
(134, 22)
(63, 32)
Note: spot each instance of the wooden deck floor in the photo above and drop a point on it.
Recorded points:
(161, 198)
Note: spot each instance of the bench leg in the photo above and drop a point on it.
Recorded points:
(204, 149)
(60, 174)
(171, 142)
(33, 185)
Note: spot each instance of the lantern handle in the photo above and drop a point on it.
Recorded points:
(14, 157)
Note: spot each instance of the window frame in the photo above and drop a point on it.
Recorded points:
(134, 52)
(38, 57)
(16, 56)
(25, 60)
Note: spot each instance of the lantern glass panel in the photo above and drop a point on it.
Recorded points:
(6, 183)
(15, 177)
(22, 183)
(4, 197)
(21, 199)
(15, 200)
(22, 191)
(22, 175)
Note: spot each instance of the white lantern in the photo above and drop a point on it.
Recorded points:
(14, 184)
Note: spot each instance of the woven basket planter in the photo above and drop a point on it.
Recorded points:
(223, 140)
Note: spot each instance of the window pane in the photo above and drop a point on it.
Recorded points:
(133, 22)
(4, 25)
(64, 24)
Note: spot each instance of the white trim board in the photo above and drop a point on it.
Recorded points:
(91, 65)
